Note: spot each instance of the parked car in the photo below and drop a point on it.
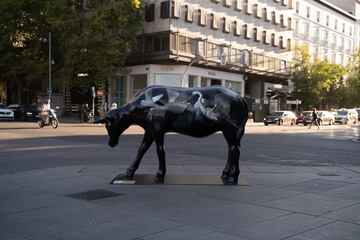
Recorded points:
(5, 113)
(31, 113)
(345, 116)
(280, 117)
(358, 112)
(325, 117)
(307, 117)
(19, 112)
(299, 117)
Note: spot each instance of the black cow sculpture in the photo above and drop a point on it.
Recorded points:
(196, 112)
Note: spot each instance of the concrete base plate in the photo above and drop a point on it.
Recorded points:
(148, 179)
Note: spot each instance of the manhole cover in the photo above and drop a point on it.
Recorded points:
(95, 194)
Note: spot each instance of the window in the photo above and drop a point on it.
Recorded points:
(175, 9)
(182, 43)
(236, 86)
(238, 5)
(350, 31)
(247, 32)
(227, 3)
(308, 12)
(202, 17)
(137, 82)
(343, 27)
(173, 80)
(226, 25)
(164, 9)
(237, 28)
(327, 20)
(336, 23)
(265, 37)
(192, 81)
(150, 13)
(318, 16)
(297, 7)
(214, 21)
(189, 13)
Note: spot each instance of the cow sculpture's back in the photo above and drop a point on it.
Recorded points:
(196, 112)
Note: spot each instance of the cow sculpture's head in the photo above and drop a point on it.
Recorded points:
(116, 122)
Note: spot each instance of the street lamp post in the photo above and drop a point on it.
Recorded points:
(50, 62)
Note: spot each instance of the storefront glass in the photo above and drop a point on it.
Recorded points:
(137, 83)
(118, 93)
(173, 80)
(236, 86)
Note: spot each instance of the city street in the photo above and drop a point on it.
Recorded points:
(28, 147)
(296, 183)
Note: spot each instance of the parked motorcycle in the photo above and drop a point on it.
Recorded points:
(53, 120)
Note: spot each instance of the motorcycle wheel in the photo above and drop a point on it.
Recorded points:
(41, 125)
(54, 123)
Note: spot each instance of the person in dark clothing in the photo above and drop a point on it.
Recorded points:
(314, 119)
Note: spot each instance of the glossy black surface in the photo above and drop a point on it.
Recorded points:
(196, 112)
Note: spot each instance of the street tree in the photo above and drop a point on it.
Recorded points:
(317, 83)
(90, 37)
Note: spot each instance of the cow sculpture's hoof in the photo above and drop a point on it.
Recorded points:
(229, 180)
(159, 178)
(130, 173)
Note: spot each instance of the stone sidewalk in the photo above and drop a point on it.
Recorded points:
(280, 202)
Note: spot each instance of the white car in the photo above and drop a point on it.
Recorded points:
(345, 116)
(5, 113)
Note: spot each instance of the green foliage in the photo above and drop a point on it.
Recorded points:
(318, 83)
(93, 38)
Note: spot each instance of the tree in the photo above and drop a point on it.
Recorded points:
(93, 37)
(317, 83)
(352, 94)
(23, 59)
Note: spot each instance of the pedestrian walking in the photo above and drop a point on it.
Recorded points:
(314, 119)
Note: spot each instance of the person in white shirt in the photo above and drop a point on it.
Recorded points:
(45, 109)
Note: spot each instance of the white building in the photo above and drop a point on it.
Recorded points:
(242, 44)
(328, 31)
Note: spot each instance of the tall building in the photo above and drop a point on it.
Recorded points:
(245, 45)
(327, 30)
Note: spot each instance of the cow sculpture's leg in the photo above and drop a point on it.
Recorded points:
(231, 171)
(159, 140)
(146, 143)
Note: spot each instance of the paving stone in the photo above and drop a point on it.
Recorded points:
(333, 231)
(8, 221)
(64, 222)
(232, 215)
(278, 179)
(347, 214)
(253, 194)
(309, 203)
(219, 236)
(180, 233)
(41, 174)
(6, 235)
(69, 185)
(351, 192)
(10, 191)
(131, 227)
(32, 202)
(317, 186)
(280, 228)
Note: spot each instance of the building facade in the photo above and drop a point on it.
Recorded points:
(328, 31)
(245, 45)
